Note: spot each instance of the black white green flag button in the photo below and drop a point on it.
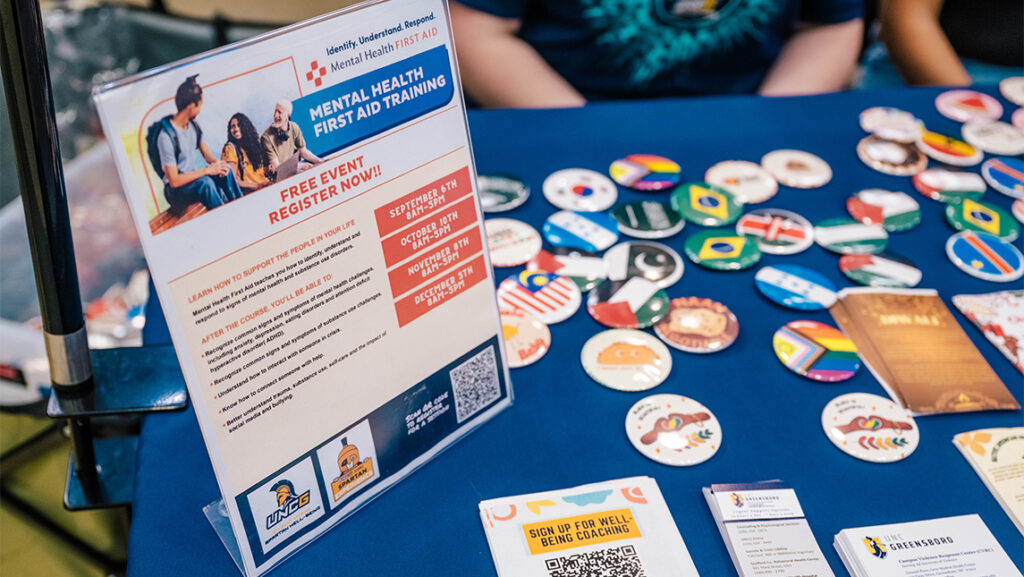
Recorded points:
(501, 192)
(586, 269)
(945, 185)
(748, 182)
(848, 236)
(870, 428)
(895, 211)
(706, 205)
(698, 325)
(673, 430)
(511, 242)
(647, 219)
(635, 303)
(884, 270)
(777, 231)
(649, 260)
(580, 189)
(982, 217)
(626, 360)
(722, 249)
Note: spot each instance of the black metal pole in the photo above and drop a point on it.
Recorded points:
(34, 128)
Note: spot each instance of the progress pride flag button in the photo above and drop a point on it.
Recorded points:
(411, 207)
(411, 274)
(440, 291)
(428, 232)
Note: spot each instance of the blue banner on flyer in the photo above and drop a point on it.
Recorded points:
(345, 113)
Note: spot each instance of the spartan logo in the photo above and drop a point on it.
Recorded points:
(875, 546)
(351, 472)
(288, 503)
(737, 499)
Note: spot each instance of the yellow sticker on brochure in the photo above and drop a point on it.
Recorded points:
(581, 530)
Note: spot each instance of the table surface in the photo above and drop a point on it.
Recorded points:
(565, 430)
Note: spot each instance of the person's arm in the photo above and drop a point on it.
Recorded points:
(175, 178)
(817, 58)
(308, 156)
(220, 168)
(917, 45)
(272, 161)
(500, 70)
(229, 157)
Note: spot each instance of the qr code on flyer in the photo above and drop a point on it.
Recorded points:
(475, 384)
(612, 562)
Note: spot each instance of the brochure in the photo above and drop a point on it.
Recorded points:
(1000, 317)
(306, 202)
(620, 527)
(997, 456)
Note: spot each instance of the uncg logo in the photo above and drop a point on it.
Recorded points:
(737, 499)
(875, 546)
(287, 502)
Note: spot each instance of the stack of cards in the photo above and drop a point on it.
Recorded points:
(618, 527)
(961, 546)
(765, 531)
(997, 456)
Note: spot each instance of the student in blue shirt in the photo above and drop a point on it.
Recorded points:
(548, 53)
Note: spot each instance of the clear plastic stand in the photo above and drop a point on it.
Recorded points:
(217, 514)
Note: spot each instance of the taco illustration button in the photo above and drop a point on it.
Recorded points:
(698, 325)
(511, 242)
(777, 231)
(895, 211)
(645, 172)
(847, 236)
(580, 189)
(706, 205)
(964, 105)
(1017, 208)
(891, 124)
(501, 192)
(816, 351)
(1012, 89)
(949, 150)
(797, 168)
(626, 360)
(994, 137)
(590, 231)
(982, 217)
(870, 428)
(886, 270)
(985, 256)
(586, 269)
(526, 338)
(673, 430)
(647, 219)
(748, 182)
(547, 296)
(796, 287)
(1005, 175)
(636, 303)
(949, 186)
(890, 156)
(650, 260)
(722, 249)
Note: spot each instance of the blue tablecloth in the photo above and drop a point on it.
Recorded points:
(565, 430)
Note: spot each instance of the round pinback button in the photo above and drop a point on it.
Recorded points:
(777, 231)
(511, 242)
(797, 168)
(649, 260)
(645, 172)
(1017, 118)
(816, 351)
(647, 219)
(884, 270)
(547, 296)
(748, 182)
(891, 124)
(870, 428)
(706, 205)
(584, 268)
(895, 211)
(948, 150)
(698, 325)
(722, 249)
(964, 105)
(673, 430)
(1006, 175)
(501, 192)
(982, 217)
(580, 189)
(1012, 89)
(796, 287)
(949, 186)
(590, 231)
(626, 360)
(1017, 208)
(994, 137)
(890, 156)
(526, 338)
(634, 303)
(985, 256)
(847, 236)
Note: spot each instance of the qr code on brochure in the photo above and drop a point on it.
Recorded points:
(475, 384)
(612, 562)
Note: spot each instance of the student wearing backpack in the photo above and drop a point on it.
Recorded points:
(245, 154)
(179, 149)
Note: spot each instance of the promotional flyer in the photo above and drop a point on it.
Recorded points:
(306, 203)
